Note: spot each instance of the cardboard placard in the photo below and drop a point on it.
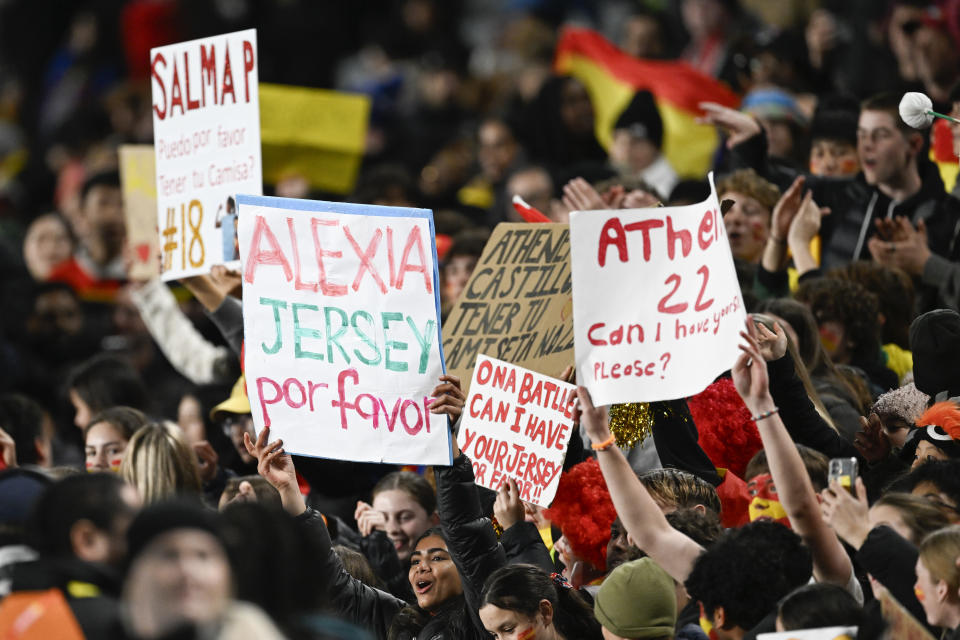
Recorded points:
(138, 178)
(657, 308)
(341, 325)
(517, 305)
(206, 131)
(517, 424)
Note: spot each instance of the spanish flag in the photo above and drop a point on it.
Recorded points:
(612, 77)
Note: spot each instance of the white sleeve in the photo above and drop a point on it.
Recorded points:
(187, 350)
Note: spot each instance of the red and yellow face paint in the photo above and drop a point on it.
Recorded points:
(765, 503)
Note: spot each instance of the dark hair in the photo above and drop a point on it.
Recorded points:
(22, 418)
(917, 513)
(681, 489)
(266, 494)
(357, 565)
(411, 619)
(748, 570)
(126, 420)
(689, 192)
(101, 179)
(703, 527)
(385, 181)
(809, 347)
(468, 243)
(850, 304)
(108, 381)
(814, 462)
(521, 587)
(943, 474)
(85, 496)
(894, 291)
(819, 605)
(890, 103)
(415, 485)
(273, 561)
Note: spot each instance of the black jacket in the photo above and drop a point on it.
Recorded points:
(90, 590)
(800, 417)
(471, 542)
(892, 561)
(855, 205)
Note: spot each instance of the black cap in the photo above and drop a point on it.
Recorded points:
(935, 342)
(642, 119)
(163, 517)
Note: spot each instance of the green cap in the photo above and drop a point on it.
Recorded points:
(637, 600)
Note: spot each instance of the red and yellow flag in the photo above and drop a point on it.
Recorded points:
(612, 77)
(941, 152)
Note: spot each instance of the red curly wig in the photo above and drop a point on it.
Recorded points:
(945, 415)
(584, 512)
(727, 434)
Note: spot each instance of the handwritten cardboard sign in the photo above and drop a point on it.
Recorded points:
(206, 131)
(516, 424)
(517, 304)
(138, 177)
(341, 326)
(657, 308)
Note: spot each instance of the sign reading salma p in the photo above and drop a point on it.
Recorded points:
(342, 329)
(657, 309)
(206, 132)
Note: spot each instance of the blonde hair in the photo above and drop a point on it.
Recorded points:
(939, 552)
(160, 464)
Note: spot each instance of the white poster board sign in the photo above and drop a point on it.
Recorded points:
(517, 424)
(657, 308)
(206, 131)
(341, 316)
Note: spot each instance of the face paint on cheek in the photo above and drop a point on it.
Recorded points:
(89, 467)
(766, 503)
(829, 339)
(849, 166)
(115, 464)
(529, 634)
(921, 596)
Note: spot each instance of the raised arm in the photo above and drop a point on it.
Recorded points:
(641, 516)
(346, 596)
(830, 561)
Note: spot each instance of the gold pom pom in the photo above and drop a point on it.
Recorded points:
(631, 423)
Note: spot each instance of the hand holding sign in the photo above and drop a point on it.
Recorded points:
(448, 397)
(594, 420)
(749, 373)
(508, 507)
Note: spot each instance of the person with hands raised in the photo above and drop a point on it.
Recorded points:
(639, 513)
(521, 539)
(799, 500)
(276, 466)
(448, 566)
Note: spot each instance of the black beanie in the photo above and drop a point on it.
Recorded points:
(642, 118)
(837, 124)
(163, 517)
(935, 342)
